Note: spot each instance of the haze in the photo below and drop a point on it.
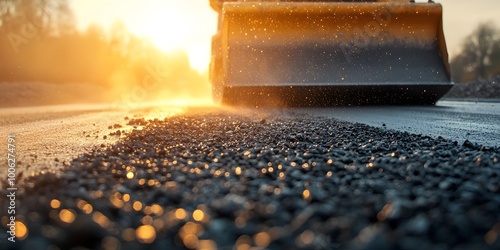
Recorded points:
(189, 24)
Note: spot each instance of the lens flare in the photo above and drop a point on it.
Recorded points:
(145, 234)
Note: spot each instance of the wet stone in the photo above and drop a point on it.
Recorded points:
(447, 185)
(418, 225)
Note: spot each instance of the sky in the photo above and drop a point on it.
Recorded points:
(461, 17)
(189, 24)
(170, 24)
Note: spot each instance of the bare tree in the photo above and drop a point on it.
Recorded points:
(6, 7)
(48, 17)
(478, 50)
(495, 59)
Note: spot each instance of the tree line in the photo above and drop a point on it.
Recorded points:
(479, 58)
(39, 42)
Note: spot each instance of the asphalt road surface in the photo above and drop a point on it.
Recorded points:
(49, 137)
(225, 178)
(477, 122)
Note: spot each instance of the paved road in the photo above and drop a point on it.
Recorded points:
(49, 137)
(474, 121)
(275, 178)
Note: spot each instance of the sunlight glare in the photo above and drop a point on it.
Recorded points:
(169, 24)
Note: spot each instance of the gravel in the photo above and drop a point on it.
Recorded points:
(482, 89)
(228, 181)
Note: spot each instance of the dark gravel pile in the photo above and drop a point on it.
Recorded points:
(476, 89)
(232, 182)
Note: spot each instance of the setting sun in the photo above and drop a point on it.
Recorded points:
(170, 25)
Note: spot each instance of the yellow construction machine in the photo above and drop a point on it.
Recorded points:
(319, 53)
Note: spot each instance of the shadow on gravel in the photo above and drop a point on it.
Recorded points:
(214, 180)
